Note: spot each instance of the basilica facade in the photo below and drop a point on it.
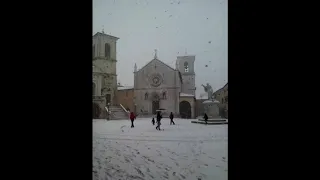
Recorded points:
(159, 86)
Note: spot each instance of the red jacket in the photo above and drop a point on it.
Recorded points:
(132, 116)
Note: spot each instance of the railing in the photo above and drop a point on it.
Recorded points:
(124, 109)
(108, 113)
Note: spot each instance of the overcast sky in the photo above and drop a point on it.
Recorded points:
(199, 27)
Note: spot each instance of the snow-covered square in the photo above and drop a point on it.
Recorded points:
(181, 151)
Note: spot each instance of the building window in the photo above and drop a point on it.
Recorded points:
(186, 67)
(93, 88)
(107, 50)
(226, 99)
(93, 51)
(222, 100)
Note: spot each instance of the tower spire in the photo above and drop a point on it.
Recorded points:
(135, 67)
(103, 29)
(155, 54)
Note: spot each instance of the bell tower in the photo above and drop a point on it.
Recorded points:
(185, 64)
(105, 60)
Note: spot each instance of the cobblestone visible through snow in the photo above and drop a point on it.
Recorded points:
(181, 151)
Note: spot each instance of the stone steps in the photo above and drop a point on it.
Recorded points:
(117, 113)
(210, 123)
(214, 120)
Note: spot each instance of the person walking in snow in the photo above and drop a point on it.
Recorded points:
(171, 119)
(205, 117)
(132, 117)
(159, 117)
(153, 121)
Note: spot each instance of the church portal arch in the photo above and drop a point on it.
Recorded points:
(185, 109)
(95, 111)
(155, 106)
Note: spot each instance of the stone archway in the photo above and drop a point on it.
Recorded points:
(155, 106)
(95, 111)
(185, 109)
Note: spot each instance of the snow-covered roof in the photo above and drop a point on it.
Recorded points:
(125, 87)
(209, 101)
(186, 95)
(103, 34)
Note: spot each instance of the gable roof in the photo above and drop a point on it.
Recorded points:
(220, 88)
(158, 61)
(225, 86)
(107, 35)
(180, 76)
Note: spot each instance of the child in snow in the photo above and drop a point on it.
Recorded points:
(153, 121)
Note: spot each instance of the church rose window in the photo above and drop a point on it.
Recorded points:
(155, 80)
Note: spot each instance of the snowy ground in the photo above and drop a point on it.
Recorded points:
(184, 151)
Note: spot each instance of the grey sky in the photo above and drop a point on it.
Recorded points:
(184, 24)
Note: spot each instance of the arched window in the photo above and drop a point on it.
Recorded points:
(93, 88)
(186, 67)
(93, 51)
(107, 50)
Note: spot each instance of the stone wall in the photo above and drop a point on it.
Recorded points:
(125, 98)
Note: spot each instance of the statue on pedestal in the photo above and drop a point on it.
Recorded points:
(211, 107)
(208, 89)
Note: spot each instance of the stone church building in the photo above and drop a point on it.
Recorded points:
(104, 82)
(157, 85)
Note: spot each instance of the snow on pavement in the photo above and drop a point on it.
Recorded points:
(181, 151)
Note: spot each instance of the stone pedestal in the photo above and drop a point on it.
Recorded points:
(211, 108)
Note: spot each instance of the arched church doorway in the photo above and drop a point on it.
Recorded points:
(155, 106)
(185, 109)
(95, 111)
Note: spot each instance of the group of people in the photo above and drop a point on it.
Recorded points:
(159, 117)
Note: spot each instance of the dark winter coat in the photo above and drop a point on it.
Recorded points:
(159, 117)
(171, 116)
(205, 117)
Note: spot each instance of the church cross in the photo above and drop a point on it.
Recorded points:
(155, 54)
